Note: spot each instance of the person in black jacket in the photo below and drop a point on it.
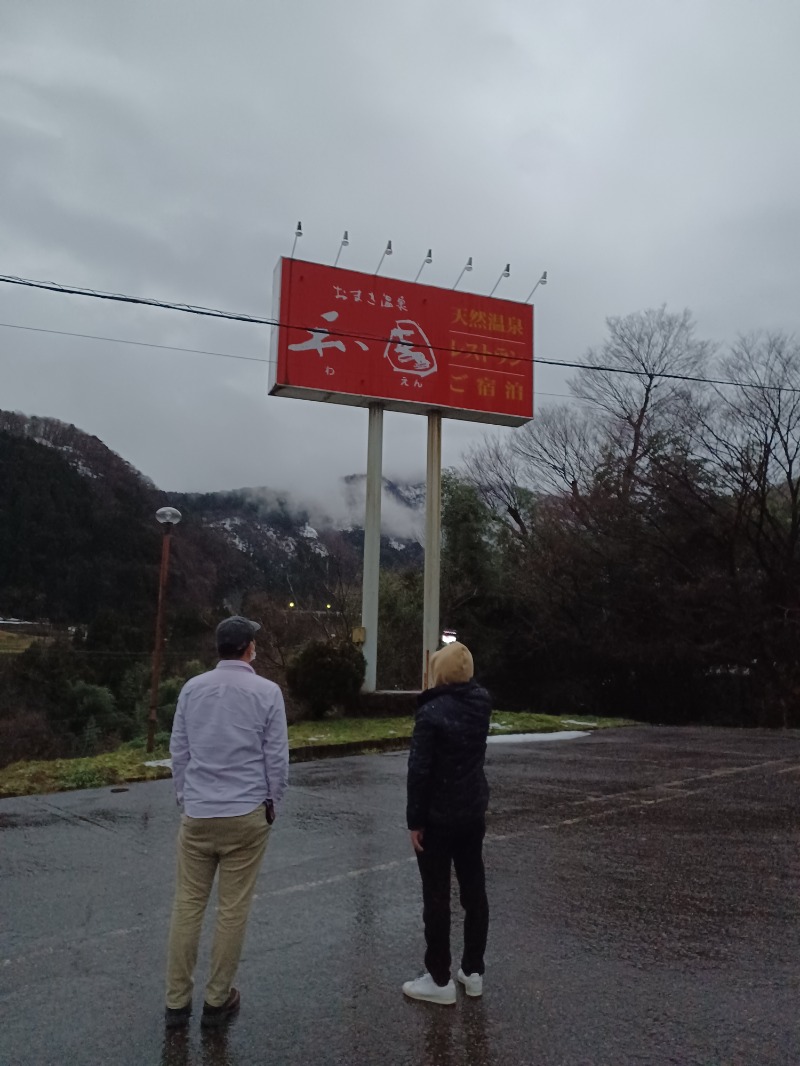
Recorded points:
(447, 800)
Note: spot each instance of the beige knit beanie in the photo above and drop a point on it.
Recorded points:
(451, 664)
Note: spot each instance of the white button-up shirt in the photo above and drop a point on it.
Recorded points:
(229, 745)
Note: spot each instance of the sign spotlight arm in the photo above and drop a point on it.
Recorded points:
(428, 259)
(505, 274)
(542, 281)
(467, 267)
(344, 243)
(387, 251)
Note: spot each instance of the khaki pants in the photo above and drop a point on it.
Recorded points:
(236, 846)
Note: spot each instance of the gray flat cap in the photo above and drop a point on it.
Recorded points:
(236, 632)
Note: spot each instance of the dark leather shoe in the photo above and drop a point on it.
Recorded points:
(177, 1017)
(213, 1017)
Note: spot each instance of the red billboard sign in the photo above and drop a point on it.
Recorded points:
(352, 338)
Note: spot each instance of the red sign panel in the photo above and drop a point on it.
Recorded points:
(346, 337)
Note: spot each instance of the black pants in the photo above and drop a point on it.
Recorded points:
(463, 848)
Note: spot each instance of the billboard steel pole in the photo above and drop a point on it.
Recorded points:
(372, 545)
(433, 542)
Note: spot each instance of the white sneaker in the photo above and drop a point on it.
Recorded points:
(426, 988)
(472, 982)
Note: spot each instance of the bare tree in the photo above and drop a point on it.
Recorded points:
(561, 449)
(496, 472)
(626, 381)
(628, 409)
(750, 437)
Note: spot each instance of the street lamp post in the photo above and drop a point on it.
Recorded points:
(168, 517)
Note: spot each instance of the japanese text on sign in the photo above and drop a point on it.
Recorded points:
(346, 337)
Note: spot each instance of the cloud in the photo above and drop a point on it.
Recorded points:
(642, 153)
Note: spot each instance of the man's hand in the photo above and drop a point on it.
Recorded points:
(270, 809)
(416, 839)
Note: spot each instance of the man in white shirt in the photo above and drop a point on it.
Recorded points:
(230, 767)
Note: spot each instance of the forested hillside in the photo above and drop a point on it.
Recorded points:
(78, 536)
(79, 558)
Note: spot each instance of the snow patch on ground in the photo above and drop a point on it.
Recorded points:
(82, 468)
(284, 543)
(229, 524)
(71, 455)
(528, 738)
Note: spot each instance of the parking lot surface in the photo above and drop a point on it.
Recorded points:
(644, 888)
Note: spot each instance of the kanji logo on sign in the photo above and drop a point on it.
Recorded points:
(346, 337)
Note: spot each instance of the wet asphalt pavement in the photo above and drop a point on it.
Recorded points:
(644, 887)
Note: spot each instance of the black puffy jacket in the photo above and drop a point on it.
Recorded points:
(446, 782)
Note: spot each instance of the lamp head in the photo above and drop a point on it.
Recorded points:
(168, 516)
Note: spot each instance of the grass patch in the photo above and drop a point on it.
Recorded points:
(62, 775)
(126, 764)
(14, 643)
(348, 730)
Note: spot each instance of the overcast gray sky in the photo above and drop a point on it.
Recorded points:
(642, 151)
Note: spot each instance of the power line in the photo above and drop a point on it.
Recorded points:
(234, 316)
(193, 351)
(138, 344)
(118, 297)
(197, 309)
